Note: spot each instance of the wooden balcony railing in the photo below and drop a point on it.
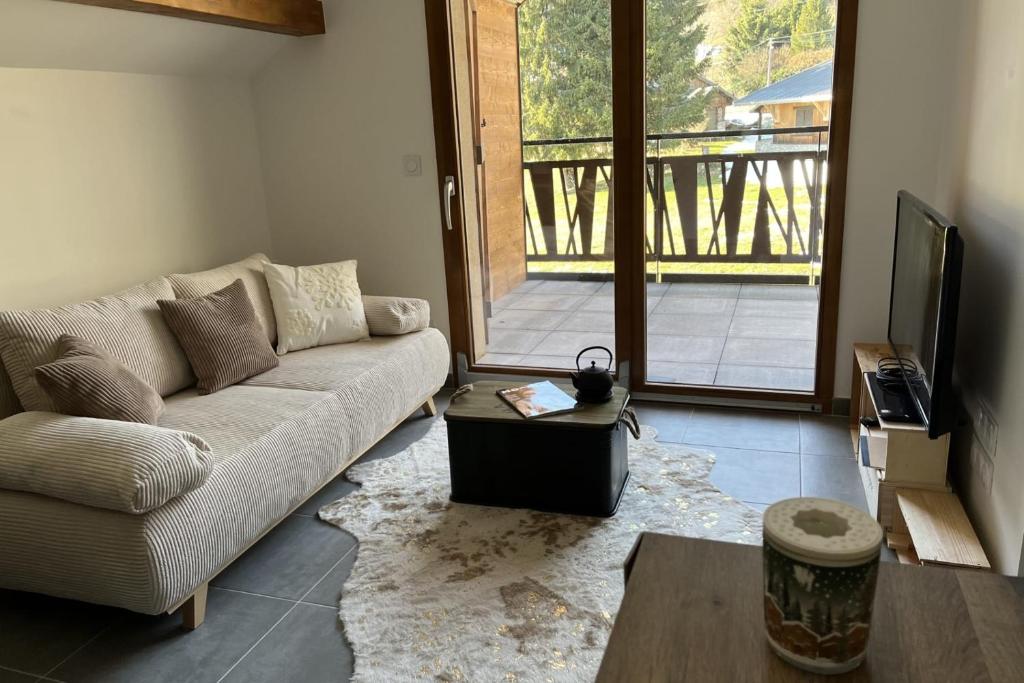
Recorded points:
(759, 208)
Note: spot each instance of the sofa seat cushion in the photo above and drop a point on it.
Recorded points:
(127, 324)
(249, 271)
(124, 466)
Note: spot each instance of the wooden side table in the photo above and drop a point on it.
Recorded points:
(693, 611)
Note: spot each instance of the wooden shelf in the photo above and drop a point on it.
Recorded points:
(938, 529)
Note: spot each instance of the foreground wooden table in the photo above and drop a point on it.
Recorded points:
(693, 612)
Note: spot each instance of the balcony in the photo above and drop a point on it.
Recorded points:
(733, 243)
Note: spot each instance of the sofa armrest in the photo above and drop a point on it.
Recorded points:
(392, 315)
(123, 466)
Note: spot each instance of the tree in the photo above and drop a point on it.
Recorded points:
(814, 29)
(566, 69)
(750, 30)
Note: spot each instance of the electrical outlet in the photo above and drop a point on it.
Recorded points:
(982, 465)
(986, 430)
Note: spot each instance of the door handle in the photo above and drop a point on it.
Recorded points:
(449, 194)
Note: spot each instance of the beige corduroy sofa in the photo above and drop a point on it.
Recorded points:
(142, 517)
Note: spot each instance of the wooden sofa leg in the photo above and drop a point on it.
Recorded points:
(429, 409)
(193, 612)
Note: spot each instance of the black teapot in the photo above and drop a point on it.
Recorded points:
(593, 384)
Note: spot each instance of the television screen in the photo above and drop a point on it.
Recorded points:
(923, 305)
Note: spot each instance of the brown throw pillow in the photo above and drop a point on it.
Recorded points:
(86, 381)
(222, 337)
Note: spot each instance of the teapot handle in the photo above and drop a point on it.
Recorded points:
(595, 348)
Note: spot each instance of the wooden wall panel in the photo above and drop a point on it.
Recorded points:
(498, 59)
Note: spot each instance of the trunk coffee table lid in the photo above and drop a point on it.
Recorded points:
(482, 404)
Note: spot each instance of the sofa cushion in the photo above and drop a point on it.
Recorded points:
(86, 381)
(127, 324)
(391, 315)
(221, 337)
(9, 403)
(122, 466)
(248, 270)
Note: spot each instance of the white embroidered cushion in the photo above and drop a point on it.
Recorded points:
(316, 305)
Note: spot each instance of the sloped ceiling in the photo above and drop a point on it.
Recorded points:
(60, 35)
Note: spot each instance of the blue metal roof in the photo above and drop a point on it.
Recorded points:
(810, 85)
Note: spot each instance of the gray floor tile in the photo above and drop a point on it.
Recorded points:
(567, 287)
(156, 649)
(764, 431)
(607, 289)
(684, 349)
(514, 341)
(500, 359)
(823, 435)
(308, 646)
(769, 307)
(789, 353)
(598, 304)
(328, 591)
(524, 319)
(527, 286)
(339, 487)
(504, 302)
(681, 373)
(801, 292)
(588, 321)
(37, 632)
(765, 377)
(669, 420)
(571, 343)
(689, 324)
(756, 476)
(709, 305)
(554, 362)
(711, 289)
(289, 560)
(830, 477)
(765, 327)
(547, 302)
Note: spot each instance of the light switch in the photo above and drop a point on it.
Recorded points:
(412, 165)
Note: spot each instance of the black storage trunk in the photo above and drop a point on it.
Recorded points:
(575, 463)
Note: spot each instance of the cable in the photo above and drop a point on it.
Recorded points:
(891, 370)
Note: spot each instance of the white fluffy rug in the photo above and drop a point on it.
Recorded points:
(461, 592)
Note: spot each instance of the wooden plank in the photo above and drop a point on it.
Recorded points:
(939, 529)
(907, 556)
(291, 17)
(897, 540)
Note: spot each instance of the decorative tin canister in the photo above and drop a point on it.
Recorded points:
(820, 569)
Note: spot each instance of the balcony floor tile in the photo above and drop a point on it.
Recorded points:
(547, 302)
(526, 319)
(790, 353)
(589, 321)
(514, 341)
(689, 324)
(765, 327)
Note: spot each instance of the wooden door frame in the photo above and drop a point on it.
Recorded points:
(629, 211)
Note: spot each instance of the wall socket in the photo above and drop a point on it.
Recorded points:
(986, 430)
(982, 464)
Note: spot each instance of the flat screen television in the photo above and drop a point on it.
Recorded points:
(923, 304)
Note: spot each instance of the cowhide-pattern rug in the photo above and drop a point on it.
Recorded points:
(454, 592)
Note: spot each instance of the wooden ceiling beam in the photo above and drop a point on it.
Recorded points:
(291, 17)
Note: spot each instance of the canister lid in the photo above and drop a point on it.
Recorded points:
(822, 530)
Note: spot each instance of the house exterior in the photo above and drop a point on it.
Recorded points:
(716, 100)
(801, 100)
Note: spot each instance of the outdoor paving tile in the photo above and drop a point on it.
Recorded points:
(802, 292)
(790, 353)
(602, 304)
(688, 349)
(527, 286)
(514, 341)
(567, 287)
(500, 359)
(589, 321)
(670, 305)
(504, 302)
(689, 324)
(765, 327)
(554, 362)
(777, 307)
(825, 435)
(156, 649)
(547, 302)
(38, 631)
(681, 373)
(703, 289)
(289, 560)
(756, 476)
(744, 429)
(831, 477)
(524, 319)
(308, 646)
(765, 377)
(571, 343)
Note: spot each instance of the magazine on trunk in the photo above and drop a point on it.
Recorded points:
(538, 400)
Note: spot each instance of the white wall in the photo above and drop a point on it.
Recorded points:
(984, 185)
(336, 114)
(109, 179)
